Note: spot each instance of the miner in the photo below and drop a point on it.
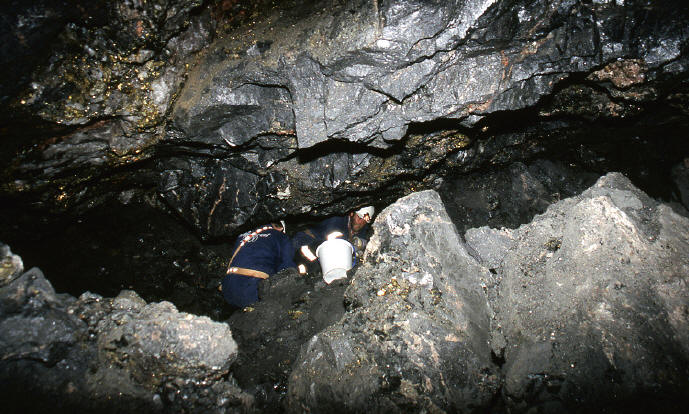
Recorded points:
(353, 227)
(258, 255)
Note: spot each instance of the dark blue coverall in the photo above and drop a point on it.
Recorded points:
(268, 251)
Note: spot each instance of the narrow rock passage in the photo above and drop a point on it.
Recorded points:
(271, 333)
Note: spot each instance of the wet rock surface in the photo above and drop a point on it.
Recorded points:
(95, 96)
(362, 76)
(235, 113)
(138, 138)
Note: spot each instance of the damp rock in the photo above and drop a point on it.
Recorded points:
(155, 342)
(235, 114)
(44, 347)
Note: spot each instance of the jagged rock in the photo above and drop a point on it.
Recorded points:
(416, 336)
(583, 309)
(293, 308)
(104, 60)
(305, 109)
(96, 354)
(97, 105)
(27, 33)
(154, 342)
(411, 61)
(592, 302)
(36, 324)
(298, 111)
(302, 78)
(42, 362)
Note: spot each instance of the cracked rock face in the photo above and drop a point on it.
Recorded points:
(233, 115)
(416, 336)
(591, 299)
(361, 74)
(94, 86)
(584, 308)
(227, 114)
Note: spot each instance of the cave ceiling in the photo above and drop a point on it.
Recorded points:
(229, 113)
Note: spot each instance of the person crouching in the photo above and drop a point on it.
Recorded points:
(258, 255)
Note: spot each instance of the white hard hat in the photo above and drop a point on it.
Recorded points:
(370, 210)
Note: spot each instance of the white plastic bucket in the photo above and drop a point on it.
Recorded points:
(336, 258)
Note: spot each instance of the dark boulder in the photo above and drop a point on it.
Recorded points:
(270, 333)
(96, 354)
(591, 298)
(583, 309)
(416, 336)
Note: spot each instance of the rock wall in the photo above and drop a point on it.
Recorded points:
(416, 337)
(226, 114)
(582, 310)
(234, 113)
(362, 73)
